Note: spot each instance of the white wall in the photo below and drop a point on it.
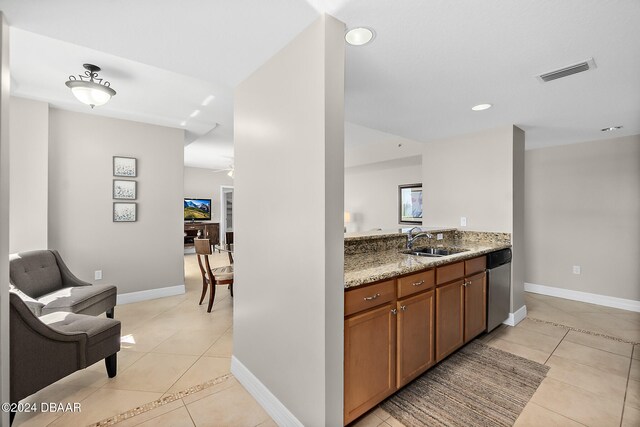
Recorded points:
(583, 208)
(29, 135)
(137, 256)
(205, 184)
(4, 216)
(479, 176)
(289, 180)
(371, 192)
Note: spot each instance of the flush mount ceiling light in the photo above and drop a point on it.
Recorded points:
(89, 88)
(359, 36)
(481, 107)
(609, 129)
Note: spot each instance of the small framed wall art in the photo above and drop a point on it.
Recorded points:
(124, 189)
(125, 211)
(124, 166)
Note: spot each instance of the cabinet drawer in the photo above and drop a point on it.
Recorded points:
(449, 273)
(415, 283)
(363, 298)
(475, 265)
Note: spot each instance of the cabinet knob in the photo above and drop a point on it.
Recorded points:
(403, 307)
(421, 282)
(394, 311)
(371, 297)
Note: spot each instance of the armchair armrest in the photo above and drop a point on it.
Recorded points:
(68, 278)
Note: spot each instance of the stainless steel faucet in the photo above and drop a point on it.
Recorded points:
(413, 237)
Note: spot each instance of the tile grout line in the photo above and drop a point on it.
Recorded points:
(626, 389)
(556, 347)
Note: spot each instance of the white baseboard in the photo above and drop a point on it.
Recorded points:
(280, 414)
(517, 317)
(607, 301)
(169, 291)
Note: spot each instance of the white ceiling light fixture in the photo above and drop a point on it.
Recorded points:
(231, 171)
(195, 113)
(89, 88)
(359, 36)
(481, 107)
(612, 128)
(208, 100)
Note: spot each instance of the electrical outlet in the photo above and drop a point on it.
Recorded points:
(463, 221)
(439, 236)
(97, 275)
(576, 269)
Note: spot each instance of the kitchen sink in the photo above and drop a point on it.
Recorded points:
(433, 252)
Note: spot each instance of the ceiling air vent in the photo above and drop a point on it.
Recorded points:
(587, 65)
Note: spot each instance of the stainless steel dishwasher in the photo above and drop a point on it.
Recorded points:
(498, 287)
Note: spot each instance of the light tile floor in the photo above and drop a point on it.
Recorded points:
(171, 344)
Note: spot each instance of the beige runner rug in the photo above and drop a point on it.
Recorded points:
(477, 386)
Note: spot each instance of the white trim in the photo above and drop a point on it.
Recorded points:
(169, 291)
(517, 317)
(280, 414)
(607, 301)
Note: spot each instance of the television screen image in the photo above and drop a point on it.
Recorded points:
(197, 209)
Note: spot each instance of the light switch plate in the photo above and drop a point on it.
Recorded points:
(463, 221)
(576, 269)
(97, 275)
(439, 236)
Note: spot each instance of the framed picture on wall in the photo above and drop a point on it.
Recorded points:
(124, 189)
(125, 212)
(124, 166)
(410, 204)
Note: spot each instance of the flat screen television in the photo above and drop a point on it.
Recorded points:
(197, 209)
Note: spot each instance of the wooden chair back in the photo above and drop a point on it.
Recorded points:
(228, 237)
(203, 246)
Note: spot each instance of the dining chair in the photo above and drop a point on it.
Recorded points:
(228, 239)
(211, 276)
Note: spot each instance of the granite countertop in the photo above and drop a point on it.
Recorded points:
(363, 268)
(380, 234)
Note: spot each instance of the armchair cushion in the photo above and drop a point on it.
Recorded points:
(94, 299)
(36, 273)
(34, 305)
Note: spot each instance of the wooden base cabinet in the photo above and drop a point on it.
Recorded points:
(415, 352)
(449, 318)
(369, 359)
(475, 306)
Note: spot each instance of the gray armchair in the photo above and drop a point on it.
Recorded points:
(47, 348)
(48, 286)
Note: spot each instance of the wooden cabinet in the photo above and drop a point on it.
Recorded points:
(415, 344)
(369, 359)
(396, 329)
(449, 318)
(207, 230)
(475, 306)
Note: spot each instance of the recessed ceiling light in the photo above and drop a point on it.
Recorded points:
(359, 36)
(207, 100)
(183, 123)
(611, 128)
(481, 107)
(195, 113)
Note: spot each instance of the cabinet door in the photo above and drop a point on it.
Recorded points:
(369, 359)
(449, 318)
(475, 306)
(415, 336)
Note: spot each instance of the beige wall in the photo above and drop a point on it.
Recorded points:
(205, 183)
(4, 216)
(479, 176)
(29, 134)
(138, 256)
(289, 182)
(371, 192)
(583, 208)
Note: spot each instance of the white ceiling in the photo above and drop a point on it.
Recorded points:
(429, 63)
